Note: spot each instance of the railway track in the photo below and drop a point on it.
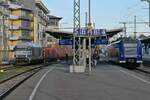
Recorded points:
(9, 84)
(143, 70)
(10, 67)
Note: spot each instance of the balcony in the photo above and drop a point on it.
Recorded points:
(11, 48)
(14, 28)
(29, 38)
(26, 28)
(13, 17)
(40, 13)
(13, 38)
(26, 18)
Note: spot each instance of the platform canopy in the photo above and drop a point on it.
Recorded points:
(64, 34)
(60, 34)
(146, 40)
(111, 33)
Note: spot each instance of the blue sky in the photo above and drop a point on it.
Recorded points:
(105, 13)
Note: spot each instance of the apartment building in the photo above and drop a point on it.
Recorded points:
(41, 21)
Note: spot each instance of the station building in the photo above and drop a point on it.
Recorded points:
(53, 26)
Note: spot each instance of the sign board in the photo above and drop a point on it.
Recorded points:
(101, 42)
(66, 42)
(94, 32)
(101, 32)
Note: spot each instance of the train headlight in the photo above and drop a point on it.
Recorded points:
(139, 56)
(122, 55)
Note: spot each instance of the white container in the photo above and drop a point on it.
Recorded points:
(77, 69)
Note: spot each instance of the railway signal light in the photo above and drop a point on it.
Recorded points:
(1, 71)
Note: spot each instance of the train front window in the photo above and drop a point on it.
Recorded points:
(22, 51)
(130, 49)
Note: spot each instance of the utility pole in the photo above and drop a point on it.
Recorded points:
(89, 33)
(149, 9)
(135, 31)
(125, 28)
(86, 19)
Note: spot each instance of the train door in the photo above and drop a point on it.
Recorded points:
(139, 51)
(121, 52)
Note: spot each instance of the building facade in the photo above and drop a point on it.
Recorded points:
(41, 21)
(24, 21)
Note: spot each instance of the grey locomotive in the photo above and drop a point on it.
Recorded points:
(28, 53)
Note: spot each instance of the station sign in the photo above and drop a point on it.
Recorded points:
(101, 32)
(66, 42)
(94, 32)
(101, 42)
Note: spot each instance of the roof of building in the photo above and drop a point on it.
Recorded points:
(42, 6)
(60, 34)
(54, 17)
(15, 7)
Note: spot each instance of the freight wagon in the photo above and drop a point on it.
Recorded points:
(30, 53)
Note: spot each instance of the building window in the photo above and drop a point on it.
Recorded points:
(25, 32)
(25, 13)
(26, 24)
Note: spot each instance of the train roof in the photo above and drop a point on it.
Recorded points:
(27, 44)
(126, 40)
(114, 42)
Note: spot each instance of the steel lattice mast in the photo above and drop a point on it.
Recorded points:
(76, 38)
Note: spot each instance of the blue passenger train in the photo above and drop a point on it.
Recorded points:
(128, 53)
(146, 51)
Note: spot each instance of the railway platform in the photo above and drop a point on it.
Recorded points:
(107, 82)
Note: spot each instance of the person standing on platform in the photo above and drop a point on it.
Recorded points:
(95, 58)
(67, 58)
